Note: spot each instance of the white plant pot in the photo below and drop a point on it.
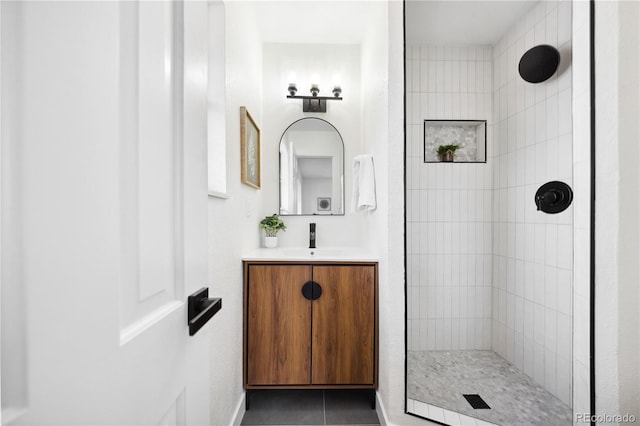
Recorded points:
(270, 242)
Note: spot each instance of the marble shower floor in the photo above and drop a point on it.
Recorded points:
(440, 378)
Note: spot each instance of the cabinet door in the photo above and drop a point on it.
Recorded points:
(278, 330)
(343, 330)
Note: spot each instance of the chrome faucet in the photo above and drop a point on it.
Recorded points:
(312, 235)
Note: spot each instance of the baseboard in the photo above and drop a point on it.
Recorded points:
(380, 411)
(240, 410)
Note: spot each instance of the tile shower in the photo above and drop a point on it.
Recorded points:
(485, 270)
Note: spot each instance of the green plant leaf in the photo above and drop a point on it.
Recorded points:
(443, 149)
(272, 224)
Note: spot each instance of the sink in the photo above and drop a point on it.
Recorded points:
(343, 254)
(315, 253)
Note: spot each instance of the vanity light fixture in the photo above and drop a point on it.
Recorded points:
(314, 103)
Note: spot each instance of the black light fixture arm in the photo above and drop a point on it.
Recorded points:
(314, 103)
(323, 98)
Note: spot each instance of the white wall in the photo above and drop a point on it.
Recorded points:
(233, 222)
(300, 64)
(617, 211)
(383, 137)
(311, 190)
(533, 253)
(449, 209)
(629, 246)
(581, 206)
(1, 333)
(14, 356)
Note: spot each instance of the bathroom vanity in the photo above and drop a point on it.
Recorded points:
(310, 321)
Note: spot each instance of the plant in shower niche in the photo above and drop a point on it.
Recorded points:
(271, 225)
(446, 152)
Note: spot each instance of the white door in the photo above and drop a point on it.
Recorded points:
(104, 214)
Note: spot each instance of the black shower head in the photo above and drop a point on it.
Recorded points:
(539, 63)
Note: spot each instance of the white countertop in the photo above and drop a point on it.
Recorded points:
(334, 254)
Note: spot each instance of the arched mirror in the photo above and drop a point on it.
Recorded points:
(311, 169)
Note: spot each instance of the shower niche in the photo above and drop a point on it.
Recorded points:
(469, 136)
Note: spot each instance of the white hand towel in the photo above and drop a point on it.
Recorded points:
(363, 198)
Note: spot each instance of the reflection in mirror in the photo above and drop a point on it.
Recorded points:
(311, 169)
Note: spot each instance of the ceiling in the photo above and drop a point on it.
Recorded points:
(349, 21)
(315, 167)
(462, 22)
(317, 21)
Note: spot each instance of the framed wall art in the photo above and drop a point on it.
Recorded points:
(249, 150)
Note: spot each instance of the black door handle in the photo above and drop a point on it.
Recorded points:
(311, 290)
(200, 309)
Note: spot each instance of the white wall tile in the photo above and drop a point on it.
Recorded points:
(431, 76)
(563, 380)
(446, 333)
(463, 76)
(471, 77)
(564, 340)
(551, 122)
(551, 245)
(473, 214)
(550, 371)
(564, 292)
(564, 112)
(419, 75)
(447, 75)
(487, 73)
(552, 160)
(540, 32)
(540, 123)
(552, 27)
(538, 362)
(550, 330)
(432, 53)
(542, 252)
(437, 414)
(564, 22)
(423, 53)
(471, 53)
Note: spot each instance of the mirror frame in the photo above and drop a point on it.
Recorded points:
(280, 171)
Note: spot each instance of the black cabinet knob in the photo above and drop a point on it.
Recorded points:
(311, 290)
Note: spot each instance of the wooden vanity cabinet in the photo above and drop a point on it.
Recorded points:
(327, 338)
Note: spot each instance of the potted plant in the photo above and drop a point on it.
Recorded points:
(271, 225)
(446, 152)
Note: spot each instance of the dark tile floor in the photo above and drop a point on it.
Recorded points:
(310, 407)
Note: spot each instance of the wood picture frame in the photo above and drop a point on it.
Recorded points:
(249, 150)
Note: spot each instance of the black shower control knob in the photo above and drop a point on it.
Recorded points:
(553, 197)
(550, 197)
